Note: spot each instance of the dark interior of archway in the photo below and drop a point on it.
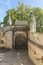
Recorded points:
(21, 42)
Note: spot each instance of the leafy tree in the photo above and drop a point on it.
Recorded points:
(12, 13)
(38, 12)
(23, 12)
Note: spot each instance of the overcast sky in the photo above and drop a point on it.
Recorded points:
(8, 4)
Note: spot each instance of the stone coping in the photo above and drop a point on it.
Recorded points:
(35, 43)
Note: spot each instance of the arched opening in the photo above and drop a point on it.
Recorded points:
(21, 42)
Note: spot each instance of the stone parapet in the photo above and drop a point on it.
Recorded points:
(35, 48)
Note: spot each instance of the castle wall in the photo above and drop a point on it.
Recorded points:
(2, 40)
(35, 48)
(6, 39)
(37, 37)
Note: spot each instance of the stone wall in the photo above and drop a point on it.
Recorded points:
(6, 39)
(37, 37)
(35, 48)
(2, 39)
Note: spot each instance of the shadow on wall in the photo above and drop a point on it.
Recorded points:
(30, 61)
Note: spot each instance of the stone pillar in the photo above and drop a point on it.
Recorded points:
(32, 32)
(33, 24)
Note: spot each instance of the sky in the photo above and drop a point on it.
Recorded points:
(8, 4)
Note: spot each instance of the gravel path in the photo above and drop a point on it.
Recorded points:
(14, 57)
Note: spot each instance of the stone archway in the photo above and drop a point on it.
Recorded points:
(21, 42)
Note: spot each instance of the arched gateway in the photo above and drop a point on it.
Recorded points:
(20, 35)
(20, 41)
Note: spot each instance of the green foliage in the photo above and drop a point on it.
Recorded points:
(23, 12)
(38, 12)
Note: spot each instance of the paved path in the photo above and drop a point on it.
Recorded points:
(14, 57)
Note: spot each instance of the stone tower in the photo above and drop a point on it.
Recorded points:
(33, 24)
(9, 20)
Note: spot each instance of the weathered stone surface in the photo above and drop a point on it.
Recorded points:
(35, 48)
